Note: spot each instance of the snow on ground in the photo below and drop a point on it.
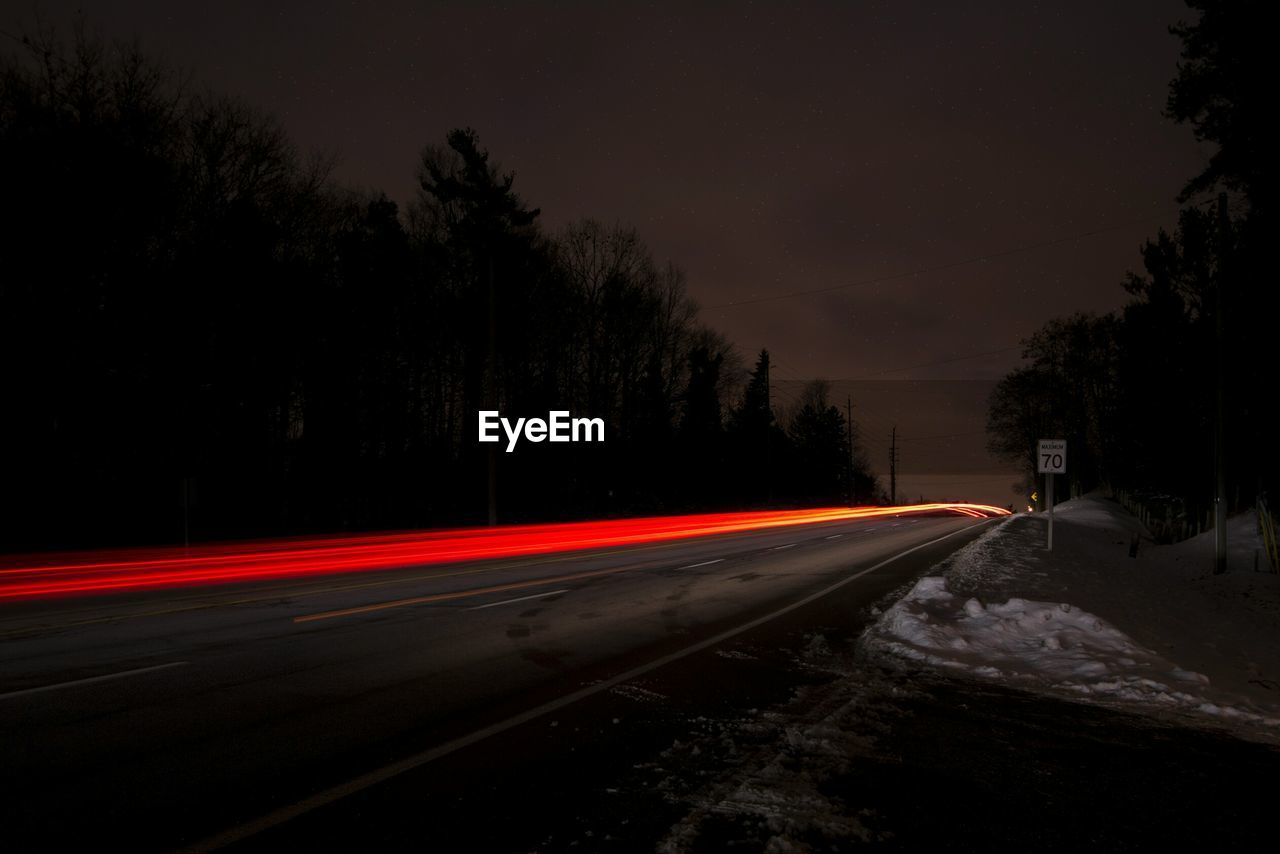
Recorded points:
(1152, 633)
(772, 765)
(1156, 631)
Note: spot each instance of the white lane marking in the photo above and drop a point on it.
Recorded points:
(780, 548)
(704, 563)
(395, 769)
(518, 599)
(90, 680)
(835, 536)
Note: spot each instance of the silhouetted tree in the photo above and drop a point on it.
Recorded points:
(758, 446)
(197, 322)
(701, 429)
(821, 449)
(1221, 90)
(1135, 391)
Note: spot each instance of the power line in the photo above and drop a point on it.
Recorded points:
(867, 420)
(946, 436)
(871, 419)
(950, 265)
(956, 478)
(950, 361)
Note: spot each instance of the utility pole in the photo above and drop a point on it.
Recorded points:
(491, 393)
(1219, 420)
(893, 466)
(768, 430)
(1048, 497)
(848, 425)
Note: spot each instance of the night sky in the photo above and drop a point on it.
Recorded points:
(765, 148)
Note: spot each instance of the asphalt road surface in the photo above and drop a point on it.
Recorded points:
(354, 709)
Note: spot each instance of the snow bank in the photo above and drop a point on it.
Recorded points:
(1004, 608)
(1245, 552)
(1040, 644)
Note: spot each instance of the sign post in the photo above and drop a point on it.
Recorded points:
(1051, 459)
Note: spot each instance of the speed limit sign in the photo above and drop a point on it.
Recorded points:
(1051, 457)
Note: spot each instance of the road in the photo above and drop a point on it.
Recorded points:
(215, 716)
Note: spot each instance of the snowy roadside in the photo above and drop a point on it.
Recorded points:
(1176, 669)
(1155, 633)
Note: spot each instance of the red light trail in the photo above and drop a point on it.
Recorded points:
(81, 574)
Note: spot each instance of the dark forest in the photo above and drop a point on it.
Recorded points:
(1136, 393)
(204, 336)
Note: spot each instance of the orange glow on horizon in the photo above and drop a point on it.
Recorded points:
(78, 574)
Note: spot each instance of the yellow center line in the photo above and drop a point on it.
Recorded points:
(325, 797)
(478, 591)
(275, 593)
(286, 590)
(459, 594)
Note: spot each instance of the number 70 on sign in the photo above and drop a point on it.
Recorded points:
(1051, 456)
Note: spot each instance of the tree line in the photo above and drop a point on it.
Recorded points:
(204, 335)
(1135, 392)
